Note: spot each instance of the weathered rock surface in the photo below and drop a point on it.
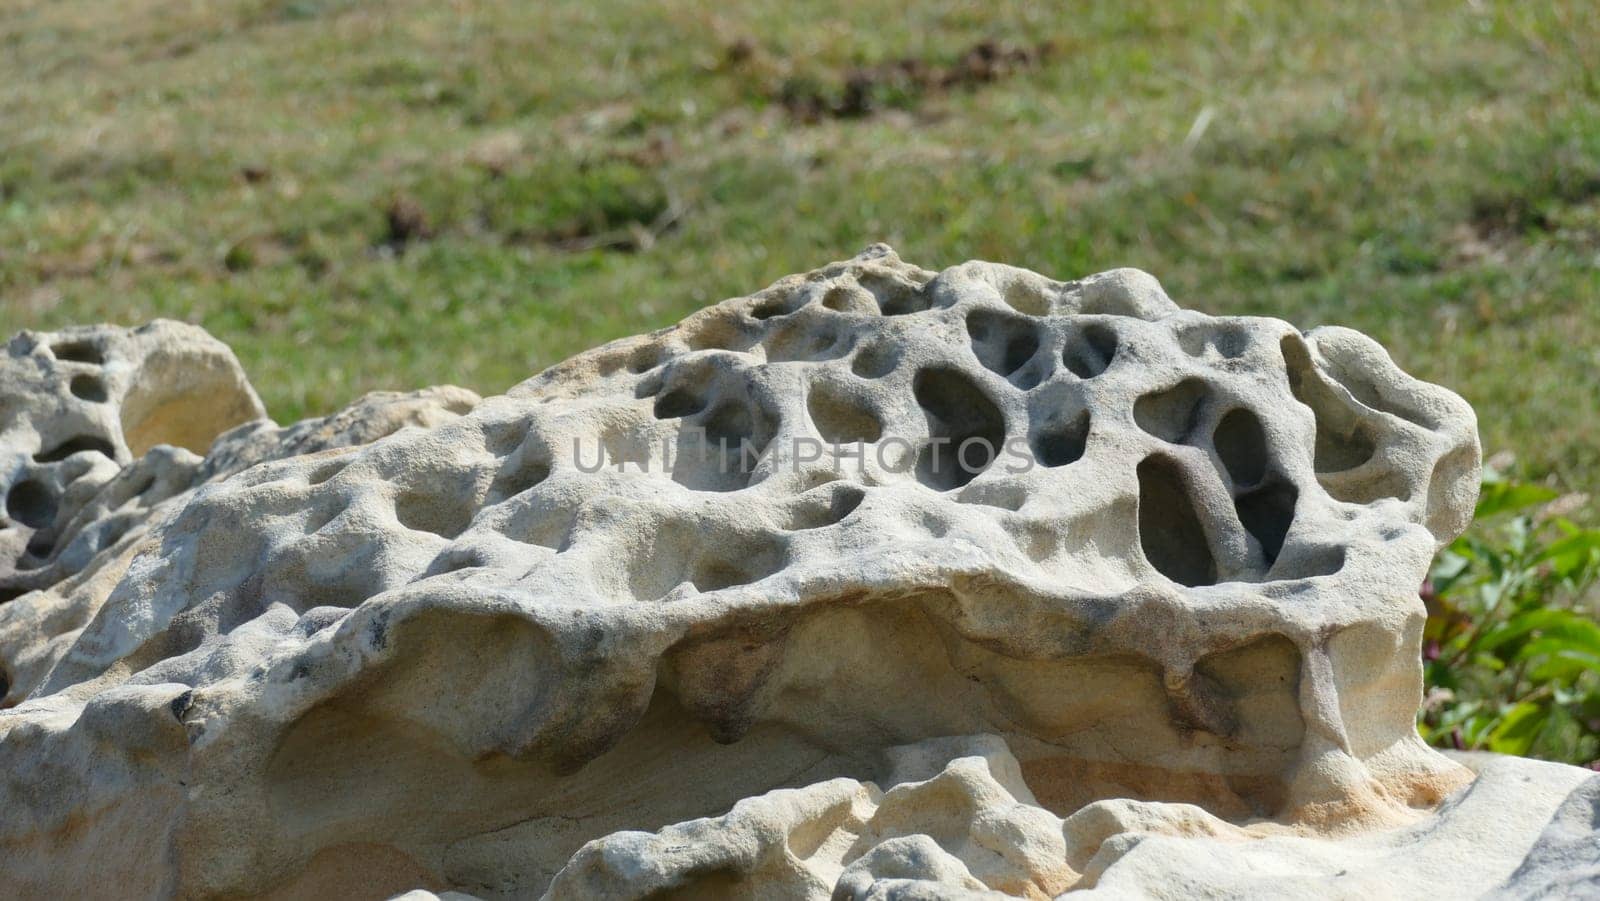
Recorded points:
(955, 585)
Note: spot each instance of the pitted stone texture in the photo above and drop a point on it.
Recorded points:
(1184, 572)
(113, 515)
(77, 406)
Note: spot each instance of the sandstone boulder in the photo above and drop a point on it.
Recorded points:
(876, 583)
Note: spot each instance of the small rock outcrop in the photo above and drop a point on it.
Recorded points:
(876, 583)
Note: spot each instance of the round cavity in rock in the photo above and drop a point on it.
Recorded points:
(723, 454)
(1202, 339)
(1090, 351)
(678, 403)
(875, 361)
(1060, 441)
(715, 333)
(894, 296)
(830, 508)
(841, 419)
(1242, 446)
(440, 514)
(719, 574)
(806, 341)
(522, 474)
(78, 352)
(1345, 438)
(1171, 414)
(645, 358)
(777, 305)
(849, 299)
(1028, 295)
(1003, 343)
(1004, 495)
(31, 503)
(37, 553)
(965, 428)
(1170, 532)
(88, 387)
(455, 560)
(1267, 513)
(324, 472)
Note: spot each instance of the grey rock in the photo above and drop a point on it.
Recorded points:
(1159, 567)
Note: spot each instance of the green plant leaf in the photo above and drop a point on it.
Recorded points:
(1489, 662)
(1510, 497)
(1552, 621)
(1570, 555)
(1559, 661)
(1518, 728)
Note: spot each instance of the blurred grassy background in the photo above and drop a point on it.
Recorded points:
(359, 195)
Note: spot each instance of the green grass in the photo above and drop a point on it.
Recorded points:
(1426, 172)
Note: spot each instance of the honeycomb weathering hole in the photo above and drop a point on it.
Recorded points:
(1062, 440)
(78, 352)
(77, 445)
(1267, 513)
(38, 549)
(644, 359)
(874, 362)
(325, 472)
(1027, 295)
(453, 560)
(31, 503)
(743, 564)
(1342, 364)
(1090, 351)
(714, 334)
(819, 512)
(773, 307)
(1170, 531)
(1344, 438)
(1001, 342)
(1241, 444)
(840, 419)
(724, 446)
(88, 387)
(678, 403)
(734, 424)
(442, 514)
(1228, 342)
(965, 428)
(895, 297)
(522, 474)
(805, 342)
(849, 299)
(1173, 413)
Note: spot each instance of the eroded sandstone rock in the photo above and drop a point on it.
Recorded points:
(76, 408)
(961, 583)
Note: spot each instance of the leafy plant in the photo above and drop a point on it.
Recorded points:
(1511, 652)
